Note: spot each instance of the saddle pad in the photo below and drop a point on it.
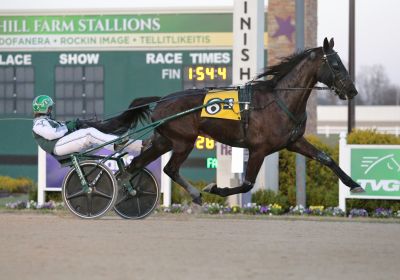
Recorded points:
(228, 110)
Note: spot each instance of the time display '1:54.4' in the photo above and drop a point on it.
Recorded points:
(201, 73)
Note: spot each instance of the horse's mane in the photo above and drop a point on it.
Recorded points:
(274, 73)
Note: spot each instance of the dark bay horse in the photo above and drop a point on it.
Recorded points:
(276, 119)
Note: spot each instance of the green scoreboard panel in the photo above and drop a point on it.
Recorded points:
(94, 65)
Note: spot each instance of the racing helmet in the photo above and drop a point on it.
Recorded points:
(41, 104)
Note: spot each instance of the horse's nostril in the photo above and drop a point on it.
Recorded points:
(353, 93)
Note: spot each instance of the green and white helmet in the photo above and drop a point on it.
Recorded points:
(41, 104)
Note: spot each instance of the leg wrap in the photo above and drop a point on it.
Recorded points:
(324, 158)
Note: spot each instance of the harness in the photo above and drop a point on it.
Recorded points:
(299, 123)
(245, 100)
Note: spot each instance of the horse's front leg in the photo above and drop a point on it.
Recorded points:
(302, 146)
(253, 166)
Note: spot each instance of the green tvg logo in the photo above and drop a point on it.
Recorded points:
(377, 171)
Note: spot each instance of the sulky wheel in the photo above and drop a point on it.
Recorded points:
(141, 199)
(94, 201)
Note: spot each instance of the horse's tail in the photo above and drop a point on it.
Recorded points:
(139, 111)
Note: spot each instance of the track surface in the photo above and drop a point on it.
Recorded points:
(46, 246)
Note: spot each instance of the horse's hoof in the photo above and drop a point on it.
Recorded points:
(210, 188)
(198, 200)
(357, 190)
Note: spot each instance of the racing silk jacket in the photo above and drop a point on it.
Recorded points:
(46, 132)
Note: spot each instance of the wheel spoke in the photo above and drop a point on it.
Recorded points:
(125, 198)
(101, 194)
(138, 179)
(77, 194)
(91, 170)
(138, 206)
(146, 192)
(96, 179)
(89, 205)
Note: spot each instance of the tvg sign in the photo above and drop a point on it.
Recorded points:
(377, 171)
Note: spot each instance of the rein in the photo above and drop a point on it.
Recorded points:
(313, 88)
(246, 85)
(16, 119)
(207, 88)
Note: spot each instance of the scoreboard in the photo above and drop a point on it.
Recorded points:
(93, 65)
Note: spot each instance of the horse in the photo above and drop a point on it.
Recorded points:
(276, 119)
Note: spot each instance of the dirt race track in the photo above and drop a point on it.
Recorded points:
(48, 246)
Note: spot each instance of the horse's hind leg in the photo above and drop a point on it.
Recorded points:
(302, 146)
(256, 159)
(159, 146)
(179, 155)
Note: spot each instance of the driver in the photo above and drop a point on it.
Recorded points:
(63, 138)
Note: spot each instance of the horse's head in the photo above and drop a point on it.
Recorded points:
(333, 73)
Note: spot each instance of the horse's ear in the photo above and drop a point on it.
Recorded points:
(331, 43)
(326, 44)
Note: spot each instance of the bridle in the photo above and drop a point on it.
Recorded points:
(336, 74)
